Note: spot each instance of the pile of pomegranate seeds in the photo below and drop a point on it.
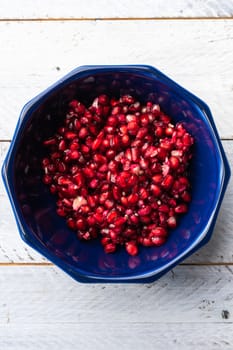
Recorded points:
(119, 170)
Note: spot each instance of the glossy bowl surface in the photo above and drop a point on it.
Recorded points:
(34, 207)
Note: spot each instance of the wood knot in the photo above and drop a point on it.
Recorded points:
(225, 314)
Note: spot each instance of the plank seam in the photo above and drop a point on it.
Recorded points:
(65, 19)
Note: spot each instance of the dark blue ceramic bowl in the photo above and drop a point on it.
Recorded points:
(34, 207)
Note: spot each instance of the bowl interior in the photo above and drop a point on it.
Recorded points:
(36, 206)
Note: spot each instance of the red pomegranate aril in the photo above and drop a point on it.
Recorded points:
(144, 163)
(47, 179)
(132, 128)
(92, 200)
(131, 248)
(156, 190)
(61, 212)
(144, 120)
(83, 132)
(103, 100)
(187, 140)
(98, 158)
(116, 110)
(85, 209)
(53, 189)
(146, 242)
(132, 181)
(171, 222)
(62, 145)
(181, 209)
(164, 208)
(81, 224)
(110, 154)
(174, 162)
(141, 134)
(71, 223)
(167, 182)
(116, 193)
(103, 169)
(135, 169)
(119, 169)
(134, 219)
(50, 142)
(146, 210)
(158, 232)
(112, 216)
(159, 131)
(77, 124)
(109, 204)
(158, 241)
(94, 183)
(131, 118)
(151, 152)
(145, 219)
(128, 99)
(125, 140)
(135, 154)
(169, 131)
(143, 193)
(51, 168)
(124, 201)
(186, 196)
(132, 199)
(74, 155)
(120, 221)
(88, 172)
(98, 218)
(110, 248)
(97, 142)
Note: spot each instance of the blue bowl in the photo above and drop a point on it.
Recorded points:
(35, 208)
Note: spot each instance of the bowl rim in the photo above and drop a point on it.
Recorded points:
(77, 273)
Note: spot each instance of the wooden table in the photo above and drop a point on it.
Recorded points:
(192, 306)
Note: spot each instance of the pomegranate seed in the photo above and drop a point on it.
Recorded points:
(110, 248)
(50, 142)
(174, 162)
(171, 221)
(167, 181)
(144, 211)
(111, 217)
(158, 241)
(47, 179)
(71, 223)
(120, 221)
(156, 190)
(134, 219)
(132, 199)
(186, 196)
(132, 128)
(131, 248)
(181, 209)
(81, 224)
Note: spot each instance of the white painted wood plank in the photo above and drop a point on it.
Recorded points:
(125, 336)
(25, 9)
(219, 249)
(197, 54)
(45, 295)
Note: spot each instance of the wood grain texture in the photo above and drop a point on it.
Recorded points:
(121, 9)
(218, 250)
(45, 295)
(112, 336)
(197, 54)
